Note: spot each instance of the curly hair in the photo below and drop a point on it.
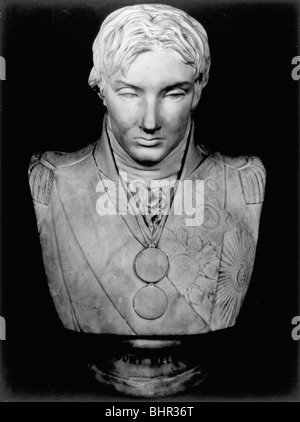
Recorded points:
(132, 30)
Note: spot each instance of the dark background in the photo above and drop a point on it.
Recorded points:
(249, 106)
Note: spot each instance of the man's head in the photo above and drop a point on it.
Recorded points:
(151, 63)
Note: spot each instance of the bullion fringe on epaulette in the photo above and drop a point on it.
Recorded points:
(253, 179)
(40, 180)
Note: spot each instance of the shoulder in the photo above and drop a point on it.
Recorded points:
(243, 161)
(43, 166)
(58, 159)
(252, 176)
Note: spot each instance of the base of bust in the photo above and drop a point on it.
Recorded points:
(151, 368)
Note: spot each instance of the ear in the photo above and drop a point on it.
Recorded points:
(102, 97)
(101, 85)
(197, 93)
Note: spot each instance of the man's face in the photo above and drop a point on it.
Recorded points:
(149, 109)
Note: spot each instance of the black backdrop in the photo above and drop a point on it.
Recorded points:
(249, 106)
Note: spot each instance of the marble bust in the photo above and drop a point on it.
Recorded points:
(147, 235)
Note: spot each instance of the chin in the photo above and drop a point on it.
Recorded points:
(148, 163)
(148, 159)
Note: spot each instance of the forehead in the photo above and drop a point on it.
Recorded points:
(156, 69)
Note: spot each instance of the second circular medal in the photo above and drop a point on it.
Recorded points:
(151, 265)
(150, 302)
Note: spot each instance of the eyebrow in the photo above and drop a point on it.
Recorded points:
(178, 84)
(127, 84)
(167, 88)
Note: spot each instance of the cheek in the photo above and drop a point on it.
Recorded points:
(121, 114)
(176, 115)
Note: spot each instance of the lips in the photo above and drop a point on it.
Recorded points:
(149, 142)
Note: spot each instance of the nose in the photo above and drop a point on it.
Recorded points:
(150, 119)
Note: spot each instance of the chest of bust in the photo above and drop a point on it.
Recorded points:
(196, 277)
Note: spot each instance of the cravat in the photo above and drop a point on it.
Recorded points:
(156, 206)
(152, 202)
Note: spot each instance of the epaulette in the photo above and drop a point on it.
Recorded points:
(40, 179)
(43, 165)
(59, 159)
(252, 176)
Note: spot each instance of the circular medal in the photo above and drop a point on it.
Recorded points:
(151, 265)
(211, 218)
(150, 302)
(183, 270)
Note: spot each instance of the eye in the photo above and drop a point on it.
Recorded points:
(175, 94)
(128, 94)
